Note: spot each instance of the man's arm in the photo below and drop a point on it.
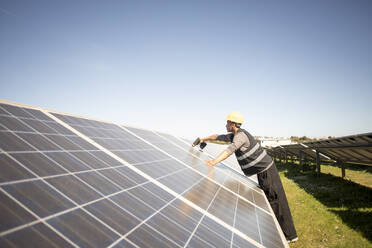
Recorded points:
(212, 137)
(220, 137)
(223, 155)
(238, 140)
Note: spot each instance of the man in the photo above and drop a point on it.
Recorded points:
(253, 159)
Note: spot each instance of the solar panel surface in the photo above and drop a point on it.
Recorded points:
(71, 181)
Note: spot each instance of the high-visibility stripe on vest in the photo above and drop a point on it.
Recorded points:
(254, 159)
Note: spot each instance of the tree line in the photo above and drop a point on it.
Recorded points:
(306, 139)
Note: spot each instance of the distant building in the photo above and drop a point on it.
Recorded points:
(273, 142)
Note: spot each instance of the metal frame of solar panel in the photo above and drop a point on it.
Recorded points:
(349, 149)
(70, 181)
(353, 149)
(299, 150)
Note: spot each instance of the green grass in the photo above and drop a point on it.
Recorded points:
(359, 174)
(327, 210)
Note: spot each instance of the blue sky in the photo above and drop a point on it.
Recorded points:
(291, 67)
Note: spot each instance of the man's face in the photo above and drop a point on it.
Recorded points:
(229, 126)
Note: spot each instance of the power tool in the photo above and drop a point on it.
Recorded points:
(201, 145)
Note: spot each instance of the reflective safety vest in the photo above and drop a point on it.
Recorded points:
(254, 159)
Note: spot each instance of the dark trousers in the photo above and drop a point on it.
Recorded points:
(271, 184)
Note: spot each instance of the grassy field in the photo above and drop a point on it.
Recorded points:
(329, 211)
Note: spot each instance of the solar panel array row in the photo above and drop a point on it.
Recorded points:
(348, 149)
(70, 181)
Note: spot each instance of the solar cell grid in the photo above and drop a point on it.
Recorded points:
(39, 142)
(67, 161)
(222, 206)
(12, 214)
(133, 205)
(202, 194)
(159, 168)
(63, 142)
(113, 215)
(118, 178)
(16, 111)
(175, 140)
(42, 141)
(11, 170)
(89, 159)
(221, 238)
(83, 229)
(146, 237)
(38, 235)
(153, 137)
(105, 158)
(232, 185)
(31, 120)
(173, 181)
(209, 152)
(13, 124)
(267, 229)
(40, 126)
(38, 197)
(74, 189)
(81, 195)
(103, 184)
(188, 156)
(173, 230)
(3, 112)
(12, 142)
(240, 242)
(259, 198)
(80, 189)
(38, 114)
(125, 243)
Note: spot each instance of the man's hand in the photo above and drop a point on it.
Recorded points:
(209, 162)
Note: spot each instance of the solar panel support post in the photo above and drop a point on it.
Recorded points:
(300, 161)
(286, 157)
(317, 162)
(342, 168)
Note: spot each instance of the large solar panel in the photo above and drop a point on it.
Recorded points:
(69, 181)
(349, 149)
(354, 149)
(233, 181)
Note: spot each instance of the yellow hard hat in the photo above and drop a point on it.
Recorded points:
(236, 117)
